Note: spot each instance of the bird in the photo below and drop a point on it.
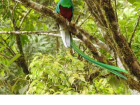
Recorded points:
(66, 8)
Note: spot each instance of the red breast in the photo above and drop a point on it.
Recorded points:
(66, 12)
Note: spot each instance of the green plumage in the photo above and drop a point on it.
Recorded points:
(64, 3)
(110, 68)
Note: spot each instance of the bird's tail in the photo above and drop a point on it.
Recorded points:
(110, 68)
(65, 34)
(68, 41)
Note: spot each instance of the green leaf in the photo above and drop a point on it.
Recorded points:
(44, 27)
(23, 89)
(56, 1)
(71, 80)
(2, 73)
(14, 86)
(14, 58)
(2, 48)
(133, 1)
(113, 81)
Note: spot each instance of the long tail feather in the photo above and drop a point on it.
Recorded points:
(110, 68)
(65, 34)
(117, 73)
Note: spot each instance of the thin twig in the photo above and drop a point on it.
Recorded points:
(84, 20)
(5, 56)
(134, 31)
(8, 47)
(24, 17)
(78, 18)
(4, 16)
(79, 15)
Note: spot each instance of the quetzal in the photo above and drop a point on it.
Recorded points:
(66, 8)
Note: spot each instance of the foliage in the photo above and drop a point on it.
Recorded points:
(128, 17)
(55, 71)
(65, 75)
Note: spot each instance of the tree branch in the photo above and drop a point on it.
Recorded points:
(97, 43)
